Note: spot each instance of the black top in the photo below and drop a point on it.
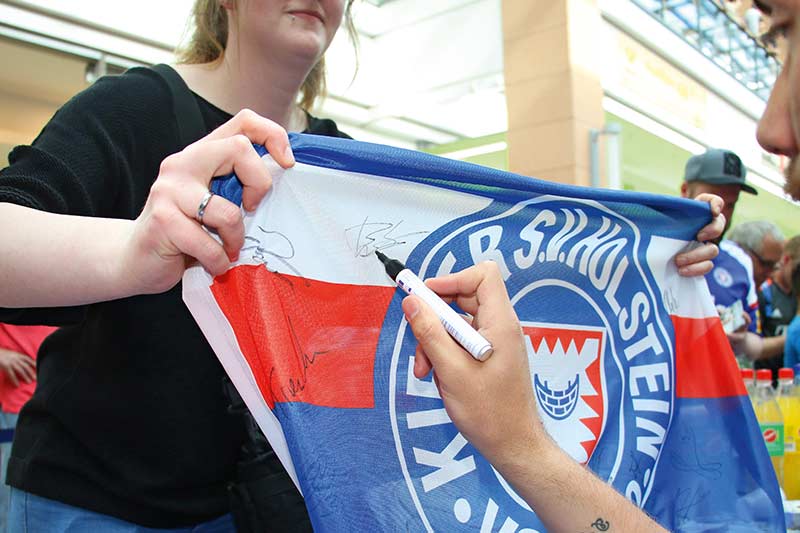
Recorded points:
(128, 418)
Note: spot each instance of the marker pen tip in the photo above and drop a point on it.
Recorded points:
(393, 266)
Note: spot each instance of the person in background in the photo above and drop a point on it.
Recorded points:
(777, 302)
(129, 427)
(791, 353)
(763, 242)
(493, 405)
(730, 281)
(18, 348)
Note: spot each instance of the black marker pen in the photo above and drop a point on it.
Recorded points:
(463, 333)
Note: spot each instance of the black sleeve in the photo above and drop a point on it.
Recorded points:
(98, 156)
(99, 153)
(324, 126)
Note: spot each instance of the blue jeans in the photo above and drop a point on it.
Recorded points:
(7, 421)
(29, 513)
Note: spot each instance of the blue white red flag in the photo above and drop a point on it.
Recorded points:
(631, 369)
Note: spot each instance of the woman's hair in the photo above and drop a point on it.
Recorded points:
(210, 36)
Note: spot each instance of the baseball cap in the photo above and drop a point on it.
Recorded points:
(717, 167)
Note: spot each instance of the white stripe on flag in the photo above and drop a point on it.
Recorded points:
(686, 297)
(345, 218)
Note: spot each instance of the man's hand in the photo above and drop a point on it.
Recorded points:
(493, 405)
(698, 261)
(491, 402)
(748, 343)
(18, 367)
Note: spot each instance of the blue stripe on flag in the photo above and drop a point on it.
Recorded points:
(385, 161)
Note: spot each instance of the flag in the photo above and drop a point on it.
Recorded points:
(632, 372)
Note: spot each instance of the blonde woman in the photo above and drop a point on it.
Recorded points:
(129, 425)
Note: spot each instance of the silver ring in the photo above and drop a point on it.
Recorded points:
(201, 209)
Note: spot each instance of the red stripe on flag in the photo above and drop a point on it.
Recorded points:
(705, 366)
(305, 340)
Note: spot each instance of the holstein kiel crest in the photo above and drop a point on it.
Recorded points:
(599, 344)
(565, 362)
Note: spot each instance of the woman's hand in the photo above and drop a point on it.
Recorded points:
(167, 235)
(697, 262)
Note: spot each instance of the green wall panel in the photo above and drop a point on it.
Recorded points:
(498, 160)
(652, 164)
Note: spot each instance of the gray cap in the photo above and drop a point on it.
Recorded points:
(717, 167)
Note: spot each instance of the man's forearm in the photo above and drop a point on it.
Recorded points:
(747, 343)
(568, 497)
(772, 346)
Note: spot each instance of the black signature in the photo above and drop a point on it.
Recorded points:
(372, 236)
(670, 301)
(278, 247)
(294, 385)
(694, 463)
(686, 500)
(600, 459)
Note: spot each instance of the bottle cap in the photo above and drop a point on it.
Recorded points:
(785, 373)
(748, 374)
(764, 374)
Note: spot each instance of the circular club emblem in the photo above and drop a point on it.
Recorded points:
(722, 277)
(599, 346)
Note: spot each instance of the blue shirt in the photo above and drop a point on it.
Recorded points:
(791, 350)
(731, 280)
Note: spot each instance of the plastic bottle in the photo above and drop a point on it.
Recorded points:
(770, 419)
(789, 401)
(749, 378)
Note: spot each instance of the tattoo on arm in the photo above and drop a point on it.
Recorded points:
(601, 525)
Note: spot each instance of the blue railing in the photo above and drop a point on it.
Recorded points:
(721, 37)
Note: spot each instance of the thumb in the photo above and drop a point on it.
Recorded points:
(434, 340)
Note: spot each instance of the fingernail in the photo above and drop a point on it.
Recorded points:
(289, 155)
(411, 308)
(680, 260)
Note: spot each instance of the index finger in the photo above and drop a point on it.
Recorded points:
(715, 202)
(259, 130)
(480, 286)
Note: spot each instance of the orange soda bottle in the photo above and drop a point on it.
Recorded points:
(770, 419)
(789, 401)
